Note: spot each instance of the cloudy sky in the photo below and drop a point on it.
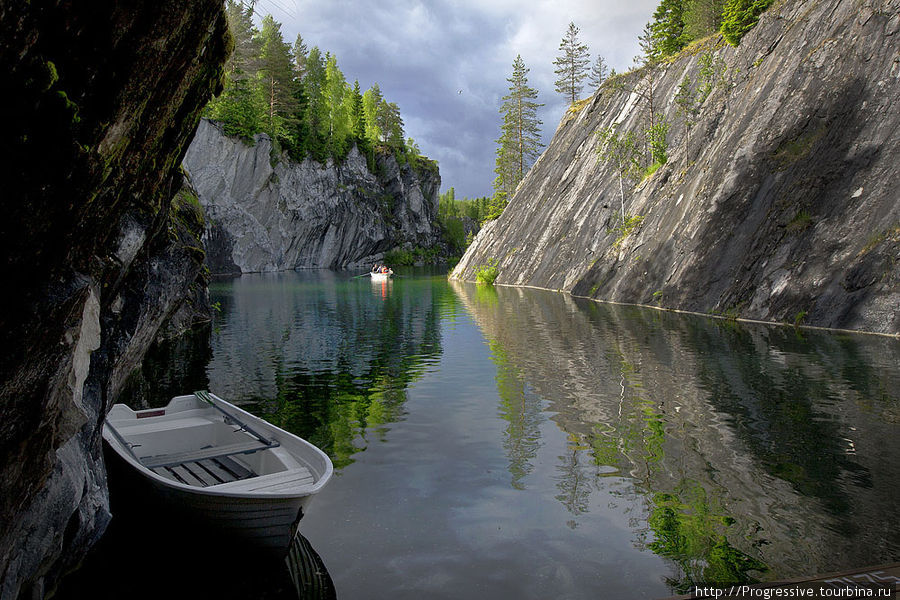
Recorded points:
(445, 62)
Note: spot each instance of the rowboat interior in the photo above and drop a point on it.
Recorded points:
(194, 443)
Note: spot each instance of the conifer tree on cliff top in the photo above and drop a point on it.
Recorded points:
(571, 65)
(520, 134)
(276, 80)
(740, 16)
(598, 74)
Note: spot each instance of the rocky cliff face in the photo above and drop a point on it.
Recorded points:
(265, 217)
(104, 100)
(780, 205)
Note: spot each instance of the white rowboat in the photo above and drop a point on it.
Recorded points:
(238, 473)
(381, 276)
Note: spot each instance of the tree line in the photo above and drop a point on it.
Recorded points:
(452, 213)
(301, 99)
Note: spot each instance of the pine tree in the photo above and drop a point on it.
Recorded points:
(688, 109)
(520, 135)
(598, 73)
(654, 138)
(571, 65)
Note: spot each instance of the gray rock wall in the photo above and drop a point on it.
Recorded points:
(782, 205)
(290, 216)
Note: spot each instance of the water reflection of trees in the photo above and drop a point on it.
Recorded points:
(326, 357)
(341, 391)
(523, 413)
(743, 443)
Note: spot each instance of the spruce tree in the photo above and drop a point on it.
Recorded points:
(316, 110)
(360, 126)
(702, 17)
(300, 139)
(571, 65)
(520, 134)
(740, 16)
(240, 106)
(244, 34)
(299, 52)
(391, 124)
(667, 28)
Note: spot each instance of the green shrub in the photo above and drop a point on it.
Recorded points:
(656, 135)
(801, 221)
(403, 258)
(487, 274)
(632, 222)
(652, 169)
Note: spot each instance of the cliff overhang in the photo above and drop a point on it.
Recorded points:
(105, 99)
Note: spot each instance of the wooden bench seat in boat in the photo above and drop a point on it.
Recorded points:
(179, 458)
(206, 472)
(290, 479)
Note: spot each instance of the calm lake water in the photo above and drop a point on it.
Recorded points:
(509, 443)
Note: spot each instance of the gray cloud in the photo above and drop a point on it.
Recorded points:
(422, 54)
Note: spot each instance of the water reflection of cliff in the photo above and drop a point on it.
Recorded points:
(324, 356)
(747, 451)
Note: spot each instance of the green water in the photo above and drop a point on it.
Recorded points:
(507, 443)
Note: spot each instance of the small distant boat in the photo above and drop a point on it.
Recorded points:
(238, 473)
(382, 274)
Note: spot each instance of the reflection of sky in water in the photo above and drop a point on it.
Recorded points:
(522, 444)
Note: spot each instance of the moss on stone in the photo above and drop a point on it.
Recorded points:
(794, 150)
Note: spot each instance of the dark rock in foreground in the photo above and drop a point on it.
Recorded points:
(103, 100)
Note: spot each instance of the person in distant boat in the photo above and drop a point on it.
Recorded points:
(384, 269)
(375, 268)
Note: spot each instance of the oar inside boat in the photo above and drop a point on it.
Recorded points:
(205, 397)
